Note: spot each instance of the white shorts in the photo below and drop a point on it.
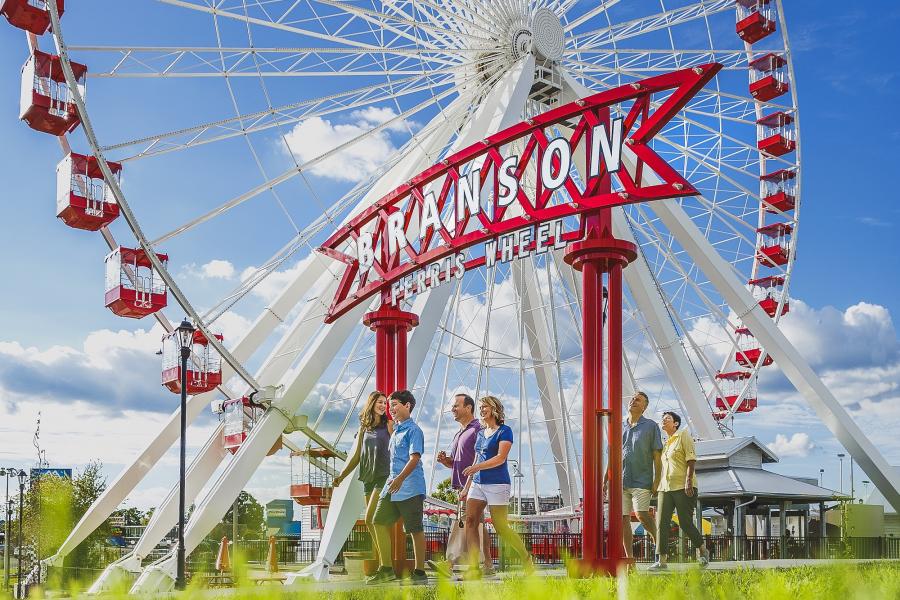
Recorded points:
(636, 499)
(495, 494)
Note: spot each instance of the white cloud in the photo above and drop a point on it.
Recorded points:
(314, 137)
(232, 326)
(217, 269)
(373, 116)
(274, 283)
(799, 445)
(862, 335)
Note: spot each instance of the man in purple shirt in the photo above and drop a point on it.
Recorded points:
(462, 455)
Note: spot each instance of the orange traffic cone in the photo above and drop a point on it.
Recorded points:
(223, 561)
(272, 558)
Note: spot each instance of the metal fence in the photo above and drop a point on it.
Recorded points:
(544, 548)
(555, 548)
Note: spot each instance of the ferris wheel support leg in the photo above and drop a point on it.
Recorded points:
(675, 361)
(116, 493)
(164, 517)
(128, 479)
(789, 360)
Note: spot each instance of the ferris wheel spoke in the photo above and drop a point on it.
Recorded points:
(206, 8)
(653, 236)
(171, 62)
(648, 24)
(383, 19)
(207, 133)
(454, 21)
(654, 60)
(294, 171)
(693, 345)
(306, 166)
(601, 7)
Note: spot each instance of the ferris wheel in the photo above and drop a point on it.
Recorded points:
(258, 130)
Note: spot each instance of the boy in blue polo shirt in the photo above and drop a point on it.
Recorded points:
(403, 496)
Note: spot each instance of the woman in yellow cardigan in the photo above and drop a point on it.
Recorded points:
(677, 491)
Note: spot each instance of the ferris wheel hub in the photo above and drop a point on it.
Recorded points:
(548, 35)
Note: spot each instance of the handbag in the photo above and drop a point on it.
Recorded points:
(457, 547)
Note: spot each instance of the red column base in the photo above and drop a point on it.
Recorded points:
(609, 567)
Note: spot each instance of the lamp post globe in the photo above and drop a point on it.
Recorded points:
(185, 336)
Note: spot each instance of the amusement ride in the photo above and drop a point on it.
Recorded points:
(574, 185)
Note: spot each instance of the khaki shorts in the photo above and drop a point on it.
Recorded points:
(635, 499)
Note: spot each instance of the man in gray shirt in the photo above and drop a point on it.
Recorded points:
(641, 468)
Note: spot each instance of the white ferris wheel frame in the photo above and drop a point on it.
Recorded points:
(326, 342)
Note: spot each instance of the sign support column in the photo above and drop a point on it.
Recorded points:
(597, 254)
(391, 325)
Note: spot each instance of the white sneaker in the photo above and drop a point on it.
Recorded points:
(704, 559)
(658, 566)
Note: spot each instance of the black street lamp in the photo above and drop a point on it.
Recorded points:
(19, 583)
(7, 507)
(184, 334)
(841, 456)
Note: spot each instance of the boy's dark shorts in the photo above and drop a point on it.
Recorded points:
(410, 510)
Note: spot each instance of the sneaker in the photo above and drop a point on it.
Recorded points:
(703, 559)
(418, 577)
(382, 575)
(658, 566)
(442, 568)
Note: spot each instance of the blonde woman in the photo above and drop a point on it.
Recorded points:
(372, 455)
(488, 483)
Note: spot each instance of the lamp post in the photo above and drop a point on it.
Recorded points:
(184, 334)
(821, 476)
(518, 476)
(22, 477)
(7, 507)
(841, 458)
(852, 482)
(865, 489)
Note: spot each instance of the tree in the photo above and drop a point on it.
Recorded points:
(251, 523)
(446, 492)
(133, 516)
(52, 507)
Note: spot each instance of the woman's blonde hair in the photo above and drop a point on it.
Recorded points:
(496, 407)
(368, 418)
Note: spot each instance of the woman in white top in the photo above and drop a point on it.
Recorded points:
(488, 483)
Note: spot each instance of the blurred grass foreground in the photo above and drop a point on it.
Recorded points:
(870, 581)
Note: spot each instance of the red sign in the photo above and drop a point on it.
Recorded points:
(521, 181)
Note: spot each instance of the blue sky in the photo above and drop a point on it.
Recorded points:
(52, 307)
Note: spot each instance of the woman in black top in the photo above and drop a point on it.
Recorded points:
(371, 454)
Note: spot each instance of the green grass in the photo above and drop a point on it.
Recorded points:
(862, 582)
